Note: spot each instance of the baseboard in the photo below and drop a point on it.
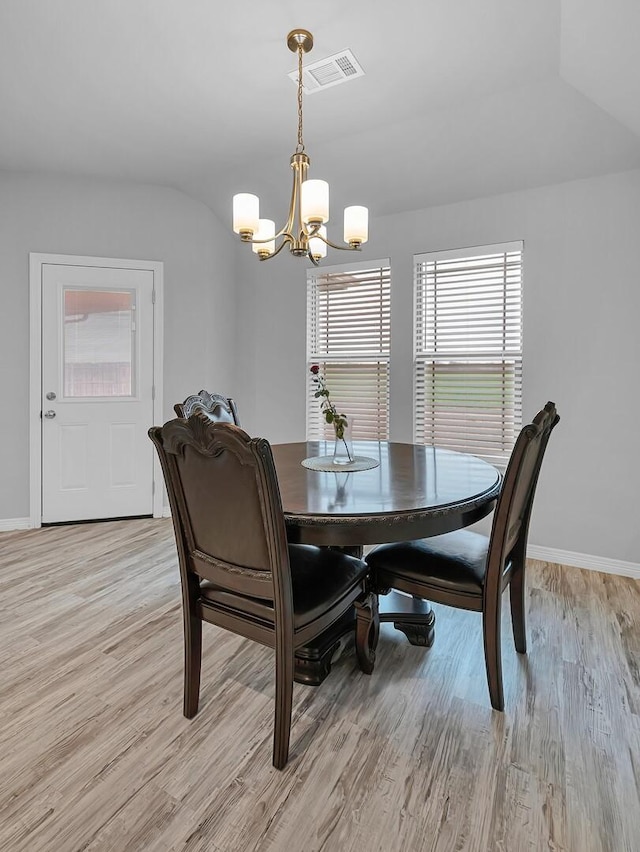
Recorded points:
(9, 524)
(584, 560)
(166, 511)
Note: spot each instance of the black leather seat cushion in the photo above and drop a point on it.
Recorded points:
(455, 561)
(319, 578)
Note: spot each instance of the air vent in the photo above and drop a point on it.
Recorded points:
(336, 69)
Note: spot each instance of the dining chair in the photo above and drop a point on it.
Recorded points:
(237, 569)
(220, 408)
(467, 570)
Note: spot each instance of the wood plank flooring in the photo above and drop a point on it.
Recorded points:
(96, 755)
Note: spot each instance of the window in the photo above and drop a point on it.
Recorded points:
(468, 349)
(99, 343)
(348, 336)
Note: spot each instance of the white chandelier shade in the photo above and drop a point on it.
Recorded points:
(246, 213)
(318, 245)
(266, 231)
(356, 225)
(314, 202)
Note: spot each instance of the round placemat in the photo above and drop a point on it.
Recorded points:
(327, 464)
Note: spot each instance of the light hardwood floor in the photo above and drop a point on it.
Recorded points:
(96, 755)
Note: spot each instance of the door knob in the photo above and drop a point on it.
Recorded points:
(50, 414)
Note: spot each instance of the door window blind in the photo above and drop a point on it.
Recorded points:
(348, 336)
(468, 349)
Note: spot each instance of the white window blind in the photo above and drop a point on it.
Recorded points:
(348, 336)
(468, 349)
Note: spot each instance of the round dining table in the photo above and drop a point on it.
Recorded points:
(414, 491)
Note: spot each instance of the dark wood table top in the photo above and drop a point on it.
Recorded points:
(416, 491)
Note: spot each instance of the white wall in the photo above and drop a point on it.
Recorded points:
(581, 343)
(111, 219)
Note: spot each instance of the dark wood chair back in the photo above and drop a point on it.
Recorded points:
(226, 507)
(510, 528)
(220, 409)
(467, 570)
(238, 570)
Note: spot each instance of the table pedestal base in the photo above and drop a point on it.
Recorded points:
(413, 616)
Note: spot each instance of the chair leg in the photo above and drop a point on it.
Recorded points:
(284, 700)
(518, 612)
(192, 664)
(367, 631)
(493, 655)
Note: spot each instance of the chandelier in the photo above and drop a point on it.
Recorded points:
(304, 230)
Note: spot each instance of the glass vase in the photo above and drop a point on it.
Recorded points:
(343, 445)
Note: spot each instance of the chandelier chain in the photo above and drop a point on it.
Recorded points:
(300, 145)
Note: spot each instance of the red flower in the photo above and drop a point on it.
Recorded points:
(315, 369)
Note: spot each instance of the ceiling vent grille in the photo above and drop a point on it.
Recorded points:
(336, 69)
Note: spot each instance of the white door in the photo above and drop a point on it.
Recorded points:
(97, 392)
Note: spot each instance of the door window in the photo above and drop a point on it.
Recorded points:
(99, 343)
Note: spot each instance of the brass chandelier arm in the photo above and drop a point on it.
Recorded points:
(356, 247)
(299, 164)
(294, 205)
(287, 229)
(284, 231)
(256, 241)
(287, 239)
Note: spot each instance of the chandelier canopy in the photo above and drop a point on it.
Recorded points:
(304, 230)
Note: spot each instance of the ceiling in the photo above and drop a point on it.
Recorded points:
(460, 99)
